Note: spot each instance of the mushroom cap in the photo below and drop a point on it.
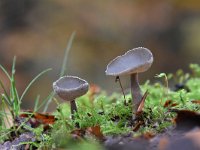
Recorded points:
(70, 87)
(136, 60)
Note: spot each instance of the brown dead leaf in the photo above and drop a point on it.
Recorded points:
(96, 131)
(196, 101)
(38, 118)
(186, 119)
(78, 133)
(169, 103)
(186, 135)
(148, 135)
(141, 106)
(138, 121)
(44, 118)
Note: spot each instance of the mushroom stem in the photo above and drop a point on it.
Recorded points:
(135, 91)
(73, 108)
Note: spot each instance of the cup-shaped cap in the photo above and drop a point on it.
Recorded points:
(70, 87)
(134, 61)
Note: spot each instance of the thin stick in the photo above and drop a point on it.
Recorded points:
(117, 79)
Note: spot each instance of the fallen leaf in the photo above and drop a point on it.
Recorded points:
(169, 103)
(141, 106)
(38, 118)
(148, 135)
(96, 131)
(78, 133)
(44, 118)
(186, 119)
(196, 101)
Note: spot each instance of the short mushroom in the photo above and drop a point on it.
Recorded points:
(69, 88)
(131, 63)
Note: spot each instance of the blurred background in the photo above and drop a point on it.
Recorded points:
(37, 33)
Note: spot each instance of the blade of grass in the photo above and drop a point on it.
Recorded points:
(69, 45)
(29, 85)
(4, 97)
(36, 103)
(46, 101)
(13, 65)
(5, 93)
(63, 68)
(14, 94)
(6, 73)
(2, 135)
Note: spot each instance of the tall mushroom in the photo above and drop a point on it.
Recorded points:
(131, 63)
(69, 88)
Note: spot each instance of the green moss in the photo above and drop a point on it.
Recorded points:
(114, 116)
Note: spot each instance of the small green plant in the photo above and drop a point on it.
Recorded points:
(195, 68)
(12, 99)
(163, 75)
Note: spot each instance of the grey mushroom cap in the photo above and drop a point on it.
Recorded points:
(70, 87)
(136, 60)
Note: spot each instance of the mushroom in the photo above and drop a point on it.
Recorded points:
(131, 63)
(69, 88)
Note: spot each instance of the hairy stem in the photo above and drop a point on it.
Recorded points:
(73, 108)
